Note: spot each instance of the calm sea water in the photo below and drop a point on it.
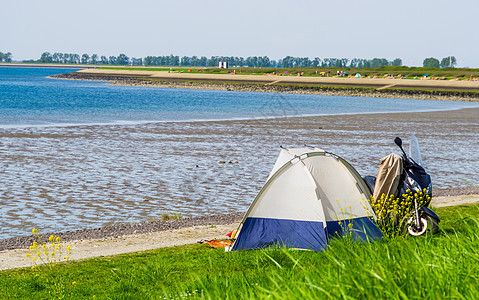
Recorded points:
(76, 154)
(27, 97)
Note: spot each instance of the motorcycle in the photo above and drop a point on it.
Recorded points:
(400, 175)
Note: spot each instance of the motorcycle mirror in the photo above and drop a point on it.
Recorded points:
(398, 142)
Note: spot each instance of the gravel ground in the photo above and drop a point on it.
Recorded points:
(156, 226)
(465, 190)
(124, 229)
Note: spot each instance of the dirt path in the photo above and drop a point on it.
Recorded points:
(454, 200)
(83, 249)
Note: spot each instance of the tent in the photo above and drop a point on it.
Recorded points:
(309, 197)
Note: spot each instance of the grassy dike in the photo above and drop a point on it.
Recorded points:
(433, 267)
(408, 72)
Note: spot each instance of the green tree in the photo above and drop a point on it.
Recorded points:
(379, 62)
(75, 58)
(46, 58)
(85, 58)
(122, 59)
(5, 57)
(354, 63)
(316, 62)
(66, 58)
(286, 62)
(185, 61)
(431, 62)
(57, 57)
(136, 61)
(203, 61)
(364, 63)
(397, 62)
(448, 62)
(326, 62)
(94, 59)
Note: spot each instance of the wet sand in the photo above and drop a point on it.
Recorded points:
(448, 139)
(65, 179)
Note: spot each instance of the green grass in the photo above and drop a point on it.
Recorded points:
(432, 267)
(409, 72)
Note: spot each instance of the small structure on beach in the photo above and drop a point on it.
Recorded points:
(223, 65)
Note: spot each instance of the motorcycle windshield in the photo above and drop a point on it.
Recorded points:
(414, 151)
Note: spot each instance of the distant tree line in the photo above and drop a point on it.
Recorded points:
(264, 62)
(233, 61)
(203, 61)
(94, 59)
(5, 57)
(446, 62)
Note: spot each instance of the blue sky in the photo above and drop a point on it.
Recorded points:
(410, 30)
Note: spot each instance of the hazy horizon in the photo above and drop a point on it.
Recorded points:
(410, 30)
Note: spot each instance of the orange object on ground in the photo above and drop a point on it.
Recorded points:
(217, 243)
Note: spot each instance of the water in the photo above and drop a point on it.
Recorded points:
(28, 98)
(77, 154)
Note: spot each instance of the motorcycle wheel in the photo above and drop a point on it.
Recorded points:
(413, 230)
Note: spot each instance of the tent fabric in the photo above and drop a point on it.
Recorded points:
(285, 155)
(363, 229)
(264, 232)
(388, 177)
(310, 196)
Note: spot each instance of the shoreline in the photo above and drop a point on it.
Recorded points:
(353, 87)
(172, 233)
(443, 197)
(458, 127)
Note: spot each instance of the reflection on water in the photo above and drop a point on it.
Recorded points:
(66, 178)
